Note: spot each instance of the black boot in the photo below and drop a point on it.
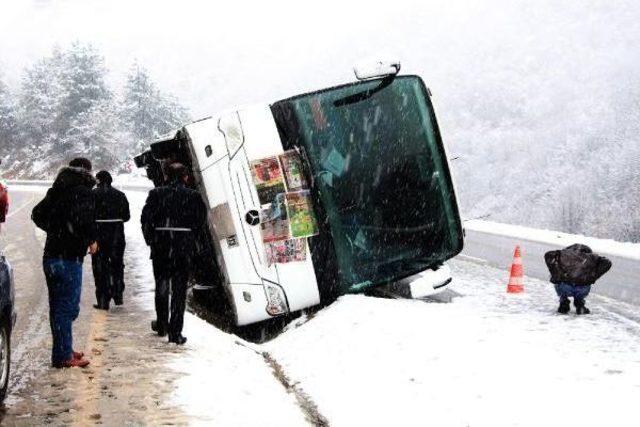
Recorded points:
(582, 310)
(118, 300)
(179, 339)
(156, 328)
(580, 307)
(564, 307)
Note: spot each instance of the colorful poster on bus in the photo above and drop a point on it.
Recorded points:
(274, 224)
(302, 219)
(267, 177)
(292, 169)
(286, 251)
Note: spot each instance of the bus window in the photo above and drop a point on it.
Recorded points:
(380, 174)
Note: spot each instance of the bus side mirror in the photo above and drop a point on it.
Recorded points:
(366, 71)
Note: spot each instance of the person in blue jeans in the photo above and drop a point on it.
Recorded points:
(579, 293)
(67, 215)
(64, 282)
(573, 270)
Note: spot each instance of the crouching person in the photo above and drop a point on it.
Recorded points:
(573, 270)
(171, 219)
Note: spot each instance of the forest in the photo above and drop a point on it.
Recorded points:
(65, 106)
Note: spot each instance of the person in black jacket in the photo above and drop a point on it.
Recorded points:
(171, 218)
(112, 211)
(66, 214)
(573, 270)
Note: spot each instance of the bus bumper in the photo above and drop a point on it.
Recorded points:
(424, 284)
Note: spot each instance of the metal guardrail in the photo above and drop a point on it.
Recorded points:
(495, 247)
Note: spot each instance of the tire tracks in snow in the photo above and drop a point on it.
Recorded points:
(305, 402)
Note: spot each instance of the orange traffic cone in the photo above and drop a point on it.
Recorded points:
(516, 285)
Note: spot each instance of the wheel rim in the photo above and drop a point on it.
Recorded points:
(4, 357)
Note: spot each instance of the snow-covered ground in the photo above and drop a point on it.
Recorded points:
(486, 359)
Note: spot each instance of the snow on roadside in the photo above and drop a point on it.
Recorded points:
(221, 379)
(487, 359)
(137, 178)
(35, 187)
(603, 246)
(229, 384)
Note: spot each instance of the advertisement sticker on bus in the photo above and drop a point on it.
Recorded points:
(274, 223)
(267, 177)
(292, 168)
(286, 251)
(302, 219)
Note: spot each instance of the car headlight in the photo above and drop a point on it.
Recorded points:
(276, 300)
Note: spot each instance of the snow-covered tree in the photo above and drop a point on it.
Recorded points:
(8, 121)
(40, 98)
(95, 134)
(66, 109)
(83, 81)
(145, 111)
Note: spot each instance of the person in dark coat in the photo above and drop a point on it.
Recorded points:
(573, 270)
(112, 211)
(171, 219)
(67, 215)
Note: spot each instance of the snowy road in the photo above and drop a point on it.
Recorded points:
(485, 359)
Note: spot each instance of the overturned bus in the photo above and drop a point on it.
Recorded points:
(337, 191)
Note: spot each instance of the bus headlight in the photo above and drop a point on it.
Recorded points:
(231, 128)
(276, 300)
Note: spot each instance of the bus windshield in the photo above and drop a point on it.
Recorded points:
(380, 178)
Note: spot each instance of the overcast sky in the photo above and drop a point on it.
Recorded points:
(213, 55)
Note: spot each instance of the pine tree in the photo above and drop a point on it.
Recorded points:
(145, 112)
(63, 95)
(40, 97)
(138, 105)
(8, 121)
(94, 133)
(83, 83)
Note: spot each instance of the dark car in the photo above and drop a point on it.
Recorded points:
(7, 314)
